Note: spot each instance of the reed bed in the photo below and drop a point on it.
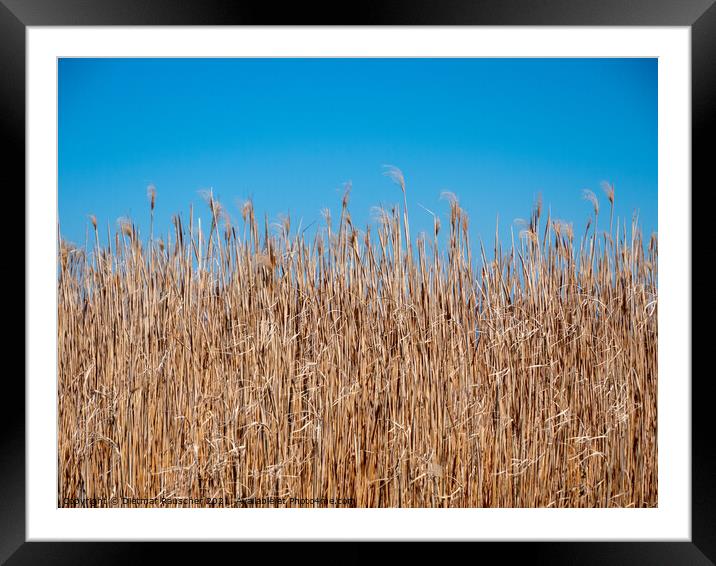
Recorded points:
(248, 361)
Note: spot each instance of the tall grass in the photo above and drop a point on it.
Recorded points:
(240, 362)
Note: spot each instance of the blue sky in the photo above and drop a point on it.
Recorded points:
(290, 132)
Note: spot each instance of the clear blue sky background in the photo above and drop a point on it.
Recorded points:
(291, 132)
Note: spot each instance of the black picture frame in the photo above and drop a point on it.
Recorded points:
(699, 15)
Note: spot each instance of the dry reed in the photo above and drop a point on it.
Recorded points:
(254, 363)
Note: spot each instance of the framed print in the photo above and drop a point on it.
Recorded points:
(421, 274)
